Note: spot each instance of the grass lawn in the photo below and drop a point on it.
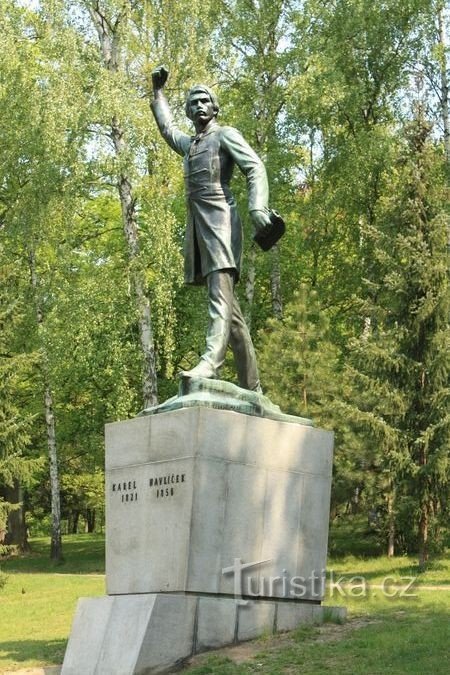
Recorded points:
(395, 635)
(38, 601)
(83, 554)
(36, 615)
(398, 638)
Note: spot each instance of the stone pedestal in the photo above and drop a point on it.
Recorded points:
(216, 532)
(154, 633)
(191, 491)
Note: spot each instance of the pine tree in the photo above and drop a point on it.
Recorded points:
(398, 370)
(16, 467)
(303, 381)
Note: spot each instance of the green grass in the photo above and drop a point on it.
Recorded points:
(408, 633)
(83, 554)
(39, 599)
(398, 635)
(36, 615)
(401, 569)
(352, 535)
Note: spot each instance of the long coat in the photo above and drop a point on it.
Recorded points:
(213, 238)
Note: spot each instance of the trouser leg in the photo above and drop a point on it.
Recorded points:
(227, 326)
(243, 351)
(220, 286)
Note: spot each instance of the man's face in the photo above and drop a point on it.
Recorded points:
(201, 108)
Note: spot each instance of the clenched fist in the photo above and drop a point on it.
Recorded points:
(159, 78)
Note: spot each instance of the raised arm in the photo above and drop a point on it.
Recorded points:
(255, 173)
(177, 139)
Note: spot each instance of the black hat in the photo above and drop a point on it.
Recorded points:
(268, 237)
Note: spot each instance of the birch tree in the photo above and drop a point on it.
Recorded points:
(111, 23)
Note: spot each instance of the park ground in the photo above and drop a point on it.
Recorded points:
(398, 617)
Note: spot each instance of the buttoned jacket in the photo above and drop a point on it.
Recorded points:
(213, 238)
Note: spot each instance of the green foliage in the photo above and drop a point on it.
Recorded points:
(85, 493)
(398, 367)
(324, 93)
(304, 381)
(15, 374)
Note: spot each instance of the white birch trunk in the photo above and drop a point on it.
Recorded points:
(444, 82)
(250, 287)
(107, 33)
(56, 540)
(275, 283)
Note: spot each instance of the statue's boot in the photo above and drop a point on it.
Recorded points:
(226, 326)
(202, 369)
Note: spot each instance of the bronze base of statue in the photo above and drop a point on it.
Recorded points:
(213, 393)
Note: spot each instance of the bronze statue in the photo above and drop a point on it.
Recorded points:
(213, 239)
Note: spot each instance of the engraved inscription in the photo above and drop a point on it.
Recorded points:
(127, 489)
(165, 486)
(162, 487)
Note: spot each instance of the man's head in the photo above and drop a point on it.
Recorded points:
(201, 105)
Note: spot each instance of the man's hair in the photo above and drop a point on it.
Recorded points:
(202, 88)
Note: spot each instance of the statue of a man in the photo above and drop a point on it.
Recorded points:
(213, 239)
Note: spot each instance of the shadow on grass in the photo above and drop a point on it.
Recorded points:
(83, 554)
(352, 536)
(50, 652)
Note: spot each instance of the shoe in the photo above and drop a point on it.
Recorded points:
(202, 369)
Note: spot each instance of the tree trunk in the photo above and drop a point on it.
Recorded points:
(90, 520)
(423, 537)
(108, 34)
(275, 284)
(250, 287)
(56, 541)
(128, 205)
(444, 82)
(391, 527)
(16, 529)
(73, 522)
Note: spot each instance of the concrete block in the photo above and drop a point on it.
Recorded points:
(206, 487)
(170, 634)
(285, 446)
(323, 613)
(244, 520)
(107, 634)
(130, 635)
(255, 619)
(207, 525)
(223, 436)
(290, 615)
(128, 443)
(216, 623)
(336, 614)
(87, 635)
(148, 509)
(282, 509)
(148, 634)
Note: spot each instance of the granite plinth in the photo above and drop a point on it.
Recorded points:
(216, 532)
(196, 492)
(155, 633)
